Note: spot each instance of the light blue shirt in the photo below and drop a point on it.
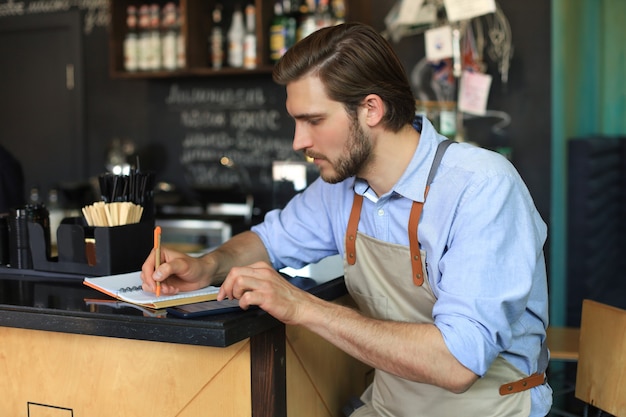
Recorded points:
(483, 239)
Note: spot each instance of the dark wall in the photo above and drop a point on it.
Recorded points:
(139, 110)
(525, 98)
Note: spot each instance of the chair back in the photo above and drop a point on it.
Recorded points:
(601, 372)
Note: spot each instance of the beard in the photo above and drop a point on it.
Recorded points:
(356, 155)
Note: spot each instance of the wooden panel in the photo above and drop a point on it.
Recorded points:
(563, 343)
(320, 377)
(267, 351)
(601, 373)
(101, 376)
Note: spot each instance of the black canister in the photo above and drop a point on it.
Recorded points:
(39, 214)
(4, 239)
(19, 244)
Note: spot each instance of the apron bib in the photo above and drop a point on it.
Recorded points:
(389, 282)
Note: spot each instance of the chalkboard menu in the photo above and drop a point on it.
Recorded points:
(244, 122)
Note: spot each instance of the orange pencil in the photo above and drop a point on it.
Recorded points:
(157, 256)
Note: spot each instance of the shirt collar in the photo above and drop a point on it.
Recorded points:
(412, 183)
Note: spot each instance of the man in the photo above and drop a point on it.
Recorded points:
(448, 271)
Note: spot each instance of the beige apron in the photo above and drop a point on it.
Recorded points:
(380, 284)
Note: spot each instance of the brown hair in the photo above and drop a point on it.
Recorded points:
(352, 60)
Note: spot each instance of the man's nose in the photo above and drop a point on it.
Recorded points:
(301, 139)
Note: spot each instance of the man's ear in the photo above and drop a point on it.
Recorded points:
(374, 109)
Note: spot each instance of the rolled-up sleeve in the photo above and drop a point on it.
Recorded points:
(487, 269)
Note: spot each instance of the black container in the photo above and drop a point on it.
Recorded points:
(93, 251)
(20, 255)
(4, 239)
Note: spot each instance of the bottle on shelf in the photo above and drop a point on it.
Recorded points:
(323, 14)
(291, 22)
(277, 36)
(155, 61)
(181, 48)
(144, 42)
(217, 38)
(249, 42)
(339, 11)
(169, 41)
(307, 23)
(236, 34)
(131, 41)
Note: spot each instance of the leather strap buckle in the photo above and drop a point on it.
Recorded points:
(523, 384)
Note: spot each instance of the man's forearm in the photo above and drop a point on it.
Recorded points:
(410, 350)
(242, 249)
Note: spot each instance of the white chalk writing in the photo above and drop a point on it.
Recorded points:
(96, 11)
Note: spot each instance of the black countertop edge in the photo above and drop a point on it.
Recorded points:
(156, 329)
(219, 330)
(35, 275)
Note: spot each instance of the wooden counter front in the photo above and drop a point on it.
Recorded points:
(56, 363)
(104, 376)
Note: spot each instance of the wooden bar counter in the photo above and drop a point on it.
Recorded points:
(67, 350)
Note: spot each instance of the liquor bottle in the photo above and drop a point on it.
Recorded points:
(291, 23)
(236, 34)
(181, 49)
(277, 38)
(155, 62)
(131, 41)
(169, 41)
(217, 38)
(307, 23)
(144, 42)
(323, 15)
(339, 11)
(249, 42)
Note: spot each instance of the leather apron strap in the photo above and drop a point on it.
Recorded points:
(414, 218)
(416, 214)
(353, 225)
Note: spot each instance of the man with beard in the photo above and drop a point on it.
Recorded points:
(442, 244)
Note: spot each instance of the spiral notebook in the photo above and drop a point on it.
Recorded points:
(127, 287)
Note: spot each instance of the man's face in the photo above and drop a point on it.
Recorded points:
(325, 131)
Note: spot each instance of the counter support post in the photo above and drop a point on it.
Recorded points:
(268, 373)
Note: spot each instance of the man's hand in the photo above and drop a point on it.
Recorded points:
(177, 272)
(261, 285)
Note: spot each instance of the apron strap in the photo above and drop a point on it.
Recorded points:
(523, 384)
(441, 149)
(414, 245)
(533, 380)
(416, 214)
(414, 218)
(353, 224)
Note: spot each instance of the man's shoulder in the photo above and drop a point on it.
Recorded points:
(473, 158)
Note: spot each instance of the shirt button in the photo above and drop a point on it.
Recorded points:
(381, 212)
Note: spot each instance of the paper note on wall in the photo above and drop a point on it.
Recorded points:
(474, 92)
(466, 9)
(438, 43)
(409, 12)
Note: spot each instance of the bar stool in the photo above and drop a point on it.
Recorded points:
(601, 371)
(563, 343)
